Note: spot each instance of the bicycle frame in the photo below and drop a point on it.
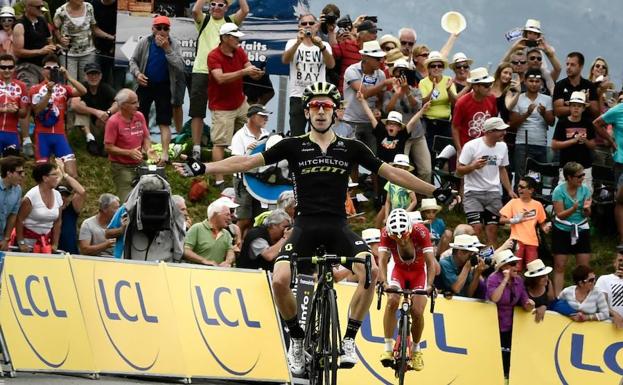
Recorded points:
(402, 346)
(322, 343)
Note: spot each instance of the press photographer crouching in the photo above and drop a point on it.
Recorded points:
(461, 272)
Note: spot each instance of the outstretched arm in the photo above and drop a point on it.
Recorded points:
(233, 164)
(405, 179)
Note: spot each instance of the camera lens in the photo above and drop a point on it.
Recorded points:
(308, 33)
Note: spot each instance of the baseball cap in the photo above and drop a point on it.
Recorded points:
(230, 29)
(257, 109)
(161, 20)
(368, 26)
(92, 67)
(64, 190)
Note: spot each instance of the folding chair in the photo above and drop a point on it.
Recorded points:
(439, 174)
(546, 176)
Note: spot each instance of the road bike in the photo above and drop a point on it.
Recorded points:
(402, 346)
(323, 342)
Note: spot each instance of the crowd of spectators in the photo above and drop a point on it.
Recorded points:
(399, 98)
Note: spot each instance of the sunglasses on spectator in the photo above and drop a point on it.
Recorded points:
(411, 43)
(537, 58)
(486, 85)
(9, 67)
(589, 280)
(308, 23)
(387, 48)
(51, 68)
(317, 104)
(462, 67)
(424, 54)
(601, 66)
(161, 27)
(512, 263)
(217, 5)
(518, 62)
(435, 66)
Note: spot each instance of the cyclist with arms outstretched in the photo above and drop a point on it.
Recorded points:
(411, 248)
(320, 163)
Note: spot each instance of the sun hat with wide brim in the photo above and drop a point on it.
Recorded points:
(464, 242)
(394, 117)
(389, 39)
(393, 55)
(480, 75)
(402, 160)
(372, 48)
(430, 204)
(436, 56)
(537, 268)
(504, 257)
(453, 22)
(578, 97)
(459, 57)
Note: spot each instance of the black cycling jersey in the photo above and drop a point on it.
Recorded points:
(321, 179)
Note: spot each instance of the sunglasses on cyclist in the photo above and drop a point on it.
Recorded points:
(317, 104)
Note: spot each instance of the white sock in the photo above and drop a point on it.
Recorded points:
(389, 344)
(26, 140)
(415, 347)
(448, 152)
(90, 137)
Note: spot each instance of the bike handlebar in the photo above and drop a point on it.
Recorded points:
(406, 293)
(330, 260)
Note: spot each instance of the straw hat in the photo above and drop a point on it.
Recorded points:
(537, 268)
(480, 75)
(453, 22)
(371, 235)
(393, 55)
(430, 204)
(464, 242)
(372, 48)
(389, 39)
(436, 56)
(578, 97)
(504, 257)
(460, 57)
(402, 160)
(533, 26)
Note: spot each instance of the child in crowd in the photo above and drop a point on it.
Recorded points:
(523, 214)
(399, 197)
(574, 137)
(437, 227)
(339, 127)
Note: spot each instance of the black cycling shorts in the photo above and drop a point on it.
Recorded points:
(311, 232)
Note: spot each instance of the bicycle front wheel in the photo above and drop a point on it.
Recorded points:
(313, 341)
(334, 344)
(404, 342)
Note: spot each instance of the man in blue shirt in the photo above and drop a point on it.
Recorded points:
(12, 173)
(157, 66)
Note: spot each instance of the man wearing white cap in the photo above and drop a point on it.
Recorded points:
(365, 77)
(209, 242)
(483, 164)
(228, 64)
(473, 109)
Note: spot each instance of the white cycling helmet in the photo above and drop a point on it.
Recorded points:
(398, 223)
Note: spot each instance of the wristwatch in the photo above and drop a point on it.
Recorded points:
(109, 113)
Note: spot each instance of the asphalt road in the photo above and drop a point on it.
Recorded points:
(42, 378)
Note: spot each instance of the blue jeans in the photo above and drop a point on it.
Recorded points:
(538, 153)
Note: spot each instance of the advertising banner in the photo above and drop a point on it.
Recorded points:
(561, 351)
(129, 317)
(227, 323)
(460, 339)
(41, 318)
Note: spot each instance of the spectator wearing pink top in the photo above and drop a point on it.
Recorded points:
(126, 141)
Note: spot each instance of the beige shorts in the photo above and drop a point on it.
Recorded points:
(225, 123)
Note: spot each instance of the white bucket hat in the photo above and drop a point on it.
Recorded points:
(464, 242)
(372, 48)
(402, 160)
(400, 63)
(504, 257)
(537, 268)
(430, 204)
(394, 117)
(371, 235)
(460, 57)
(480, 75)
(533, 26)
(578, 97)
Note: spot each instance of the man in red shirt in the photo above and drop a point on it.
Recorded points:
(14, 101)
(414, 268)
(126, 140)
(49, 103)
(473, 108)
(228, 64)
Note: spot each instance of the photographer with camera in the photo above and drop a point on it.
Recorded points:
(461, 272)
(309, 58)
(50, 100)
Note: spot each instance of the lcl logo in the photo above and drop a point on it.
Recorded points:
(123, 312)
(32, 301)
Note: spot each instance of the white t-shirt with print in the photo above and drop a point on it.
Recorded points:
(612, 285)
(307, 67)
(488, 177)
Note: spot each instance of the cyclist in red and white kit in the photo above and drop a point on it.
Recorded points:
(410, 247)
(14, 101)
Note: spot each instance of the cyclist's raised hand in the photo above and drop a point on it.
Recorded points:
(446, 196)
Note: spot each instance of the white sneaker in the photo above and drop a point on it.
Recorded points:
(349, 358)
(296, 356)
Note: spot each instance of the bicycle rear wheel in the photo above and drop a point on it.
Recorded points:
(334, 344)
(404, 341)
